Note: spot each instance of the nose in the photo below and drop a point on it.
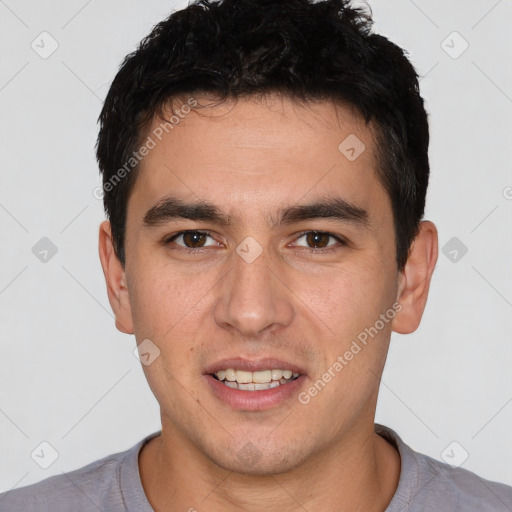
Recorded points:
(252, 298)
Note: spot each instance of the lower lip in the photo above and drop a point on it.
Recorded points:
(255, 400)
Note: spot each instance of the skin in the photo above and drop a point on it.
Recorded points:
(251, 158)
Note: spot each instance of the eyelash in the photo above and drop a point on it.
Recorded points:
(311, 250)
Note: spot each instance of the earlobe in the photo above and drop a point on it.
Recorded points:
(414, 280)
(115, 280)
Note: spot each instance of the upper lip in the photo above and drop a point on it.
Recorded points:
(253, 365)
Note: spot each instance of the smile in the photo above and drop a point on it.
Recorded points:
(255, 381)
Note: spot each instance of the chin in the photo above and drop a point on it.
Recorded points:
(259, 459)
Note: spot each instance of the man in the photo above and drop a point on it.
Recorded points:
(265, 170)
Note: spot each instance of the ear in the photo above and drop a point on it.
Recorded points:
(414, 279)
(115, 279)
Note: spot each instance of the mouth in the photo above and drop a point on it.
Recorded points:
(251, 385)
(255, 381)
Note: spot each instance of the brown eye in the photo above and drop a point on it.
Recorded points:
(192, 239)
(317, 240)
(320, 240)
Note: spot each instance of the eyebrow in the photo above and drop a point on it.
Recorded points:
(170, 208)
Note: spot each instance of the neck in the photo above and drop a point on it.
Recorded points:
(359, 472)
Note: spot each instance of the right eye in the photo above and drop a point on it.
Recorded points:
(191, 239)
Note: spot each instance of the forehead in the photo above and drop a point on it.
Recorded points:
(249, 154)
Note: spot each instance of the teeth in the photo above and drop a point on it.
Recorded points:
(254, 386)
(266, 385)
(277, 374)
(263, 379)
(243, 377)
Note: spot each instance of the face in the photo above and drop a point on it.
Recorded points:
(255, 242)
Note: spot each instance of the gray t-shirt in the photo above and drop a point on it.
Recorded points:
(112, 484)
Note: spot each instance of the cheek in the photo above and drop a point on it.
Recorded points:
(354, 352)
(166, 308)
(162, 301)
(346, 298)
(171, 306)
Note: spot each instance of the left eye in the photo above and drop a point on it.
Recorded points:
(318, 239)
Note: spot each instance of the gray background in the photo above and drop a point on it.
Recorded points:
(68, 378)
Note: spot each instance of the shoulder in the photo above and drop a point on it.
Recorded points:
(465, 489)
(427, 484)
(78, 487)
(96, 485)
